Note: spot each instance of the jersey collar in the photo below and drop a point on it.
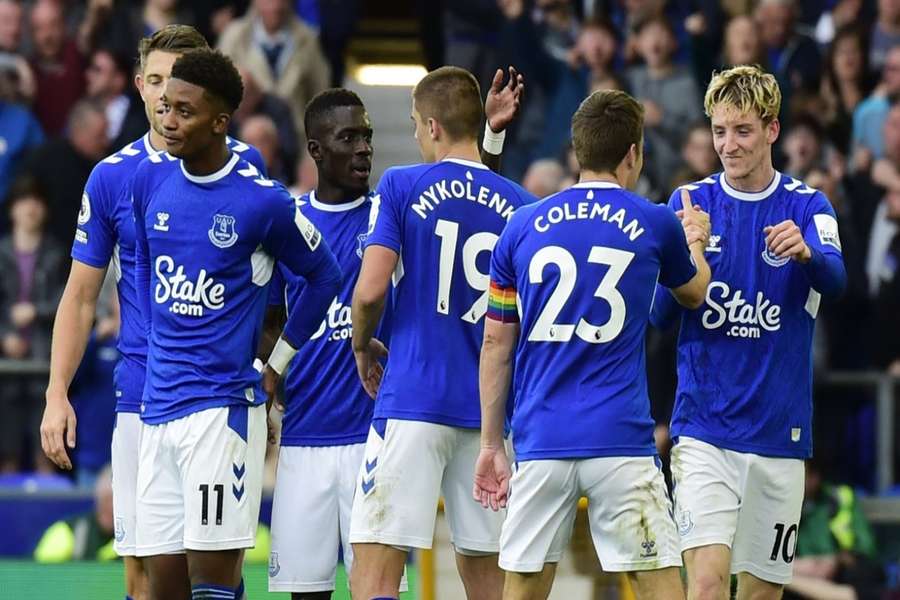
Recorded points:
(750, 196)
(466, 163)
(342, 207)
(223, 172)
(606, 185)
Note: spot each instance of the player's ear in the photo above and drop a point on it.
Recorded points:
(772, 130)
(434, 128)
(139, 83)
(315, 149)
(220, 123)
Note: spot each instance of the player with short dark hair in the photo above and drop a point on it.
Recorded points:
(327, 412)
(104, 236)
(209, 228)
(741, 434)
(432, 230)
(572, 280)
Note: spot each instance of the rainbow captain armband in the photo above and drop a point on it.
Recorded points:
(502, 304)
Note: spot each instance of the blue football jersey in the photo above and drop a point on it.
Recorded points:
(578, 271)
(105, 233)
(745, 356)
(443, 219)
(325, 404)
(206, 249)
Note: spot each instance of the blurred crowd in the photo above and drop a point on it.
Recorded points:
(67, 100)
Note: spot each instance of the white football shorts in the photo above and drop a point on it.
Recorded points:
(629, 513)
(199, 481)
(408, 465)
(747, 502)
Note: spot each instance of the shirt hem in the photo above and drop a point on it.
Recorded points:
(801, 453)
(195, 406)
(356, 438)
(569, 454)
(428, 418)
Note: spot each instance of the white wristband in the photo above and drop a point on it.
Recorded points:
(493, 142)
(281, 356)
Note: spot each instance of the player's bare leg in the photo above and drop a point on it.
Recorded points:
(220, 567)
(167, 576)
(481, 576)
(529, 586)
(136, 584)
(750, 587)
(662, 584)
(377, 570)
(709, 572)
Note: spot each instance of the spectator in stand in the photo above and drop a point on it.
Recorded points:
(63, 165)
(588, 64)
(838, 14)
(886, 32)
(698, 156)
(670, 98)
(119, 26)
(259, 103)
(33, 267)
(470, 37)
(282, 53)
(887, 297)
(19, 130)
(742, 45)
(803, 147)
(544, 177)
(58, 64)
(870, 115)
(10, 26)
(874, 202)
(109, 84)
(259, 131)
(11, 15)
(845, 83)
(791, 56)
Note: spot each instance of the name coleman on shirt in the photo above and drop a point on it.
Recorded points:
(190, 298)
(740, 318)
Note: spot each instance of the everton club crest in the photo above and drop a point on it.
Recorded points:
(222, 233)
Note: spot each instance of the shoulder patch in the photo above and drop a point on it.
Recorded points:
(307, 230)
(84, 215)
(827, 228)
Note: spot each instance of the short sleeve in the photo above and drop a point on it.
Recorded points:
(676, 267)
(384, 216)
(95, 235)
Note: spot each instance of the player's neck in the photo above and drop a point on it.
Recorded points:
(156, 141)
(330, 193)
(588, 176)
(755, 181)
(210, 161)
(467, 150)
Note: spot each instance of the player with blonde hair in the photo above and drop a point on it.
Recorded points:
(742, 433)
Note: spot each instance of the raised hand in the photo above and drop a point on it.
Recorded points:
(492, 473)
(695, 222)
(503, 101)
(785, 240)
